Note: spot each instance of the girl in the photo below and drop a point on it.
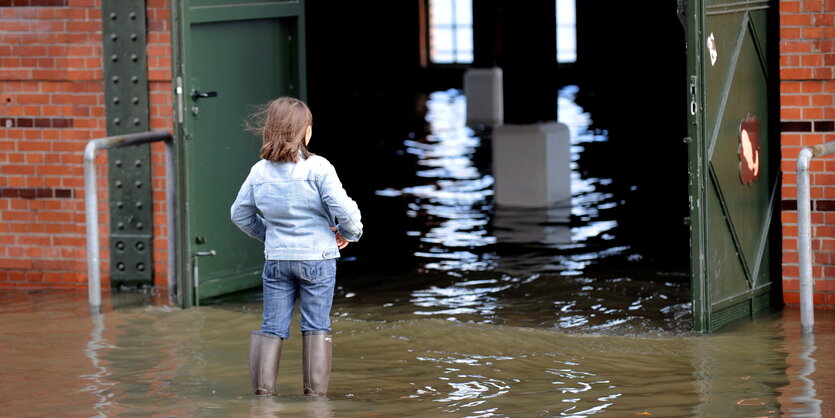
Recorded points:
(305, 219)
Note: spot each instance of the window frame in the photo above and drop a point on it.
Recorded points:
(426, 38)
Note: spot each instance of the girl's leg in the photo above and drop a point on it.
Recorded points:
(280, 289)
(265, 345)
(317, 280)
(316, 283)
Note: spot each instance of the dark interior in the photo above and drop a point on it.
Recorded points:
(367, 89)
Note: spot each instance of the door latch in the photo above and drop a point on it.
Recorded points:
(196, 272)
(197, 94)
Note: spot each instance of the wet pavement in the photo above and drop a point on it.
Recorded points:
(452, 306)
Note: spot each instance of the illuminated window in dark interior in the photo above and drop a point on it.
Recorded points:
(566, 32)
(451, 31)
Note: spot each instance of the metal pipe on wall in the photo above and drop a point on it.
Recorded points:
(92, 208)
(804, 233)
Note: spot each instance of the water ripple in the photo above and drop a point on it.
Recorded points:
(462, 234)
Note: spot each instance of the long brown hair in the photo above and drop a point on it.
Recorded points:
(282, 125)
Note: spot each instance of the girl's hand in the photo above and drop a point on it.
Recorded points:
(341, 242)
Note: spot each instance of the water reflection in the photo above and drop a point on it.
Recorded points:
(453, 199)
(566, 265)
(809, 396)
(98, 385)
(157, 361)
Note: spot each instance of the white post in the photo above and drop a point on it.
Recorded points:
(804, 242)
(485, 100)
(91, 202)
(92, 205)
(532, 164)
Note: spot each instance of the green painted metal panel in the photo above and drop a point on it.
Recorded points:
(208, 12)
(734, 180)
(247, 60)
(129, 168)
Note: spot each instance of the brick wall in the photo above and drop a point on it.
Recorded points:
(51, 104)
(807, 112)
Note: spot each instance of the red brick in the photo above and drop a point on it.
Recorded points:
(811, 5)
(812, 32)
(790, 33)
(823, 19)
(18, 264)
(795, 20)
(823, 73)
(825, 285)
(83, 26)
(801, 46)
(790, 87)
(48, 216)
(811, 60)
(790, 113)
(789, 6)
(794, 100)
(818, 298)
(795, 73)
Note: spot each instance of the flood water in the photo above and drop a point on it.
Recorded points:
(452, 307)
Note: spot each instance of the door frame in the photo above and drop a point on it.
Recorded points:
(183, 15)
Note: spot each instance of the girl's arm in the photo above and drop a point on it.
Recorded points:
(245, 215)
(340, 205)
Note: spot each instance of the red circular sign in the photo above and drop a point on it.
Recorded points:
(749, 149)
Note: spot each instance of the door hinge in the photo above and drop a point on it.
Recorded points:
(694, 105)
(180, 104)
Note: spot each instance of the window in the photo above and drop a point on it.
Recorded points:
(450, 31)
(566, 32)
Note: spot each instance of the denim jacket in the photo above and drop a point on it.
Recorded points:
(298, 203)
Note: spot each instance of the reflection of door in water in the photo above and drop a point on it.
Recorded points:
(733, 174)
(248, 54)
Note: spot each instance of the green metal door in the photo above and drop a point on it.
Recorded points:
(733, 187)
(234, 55)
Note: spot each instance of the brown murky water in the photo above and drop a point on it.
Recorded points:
(140, 360)
(460, 309)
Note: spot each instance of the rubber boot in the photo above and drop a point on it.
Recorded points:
(317, 355)
(264, 356)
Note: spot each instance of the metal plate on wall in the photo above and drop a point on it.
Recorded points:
(129, 169)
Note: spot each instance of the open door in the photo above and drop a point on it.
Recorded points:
(733, 158)
(233, 55)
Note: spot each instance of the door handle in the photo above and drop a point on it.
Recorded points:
(196, 94)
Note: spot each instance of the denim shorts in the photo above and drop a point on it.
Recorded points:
(312, 281)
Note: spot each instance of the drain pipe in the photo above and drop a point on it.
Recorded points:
(804, 233)
(92, 205)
